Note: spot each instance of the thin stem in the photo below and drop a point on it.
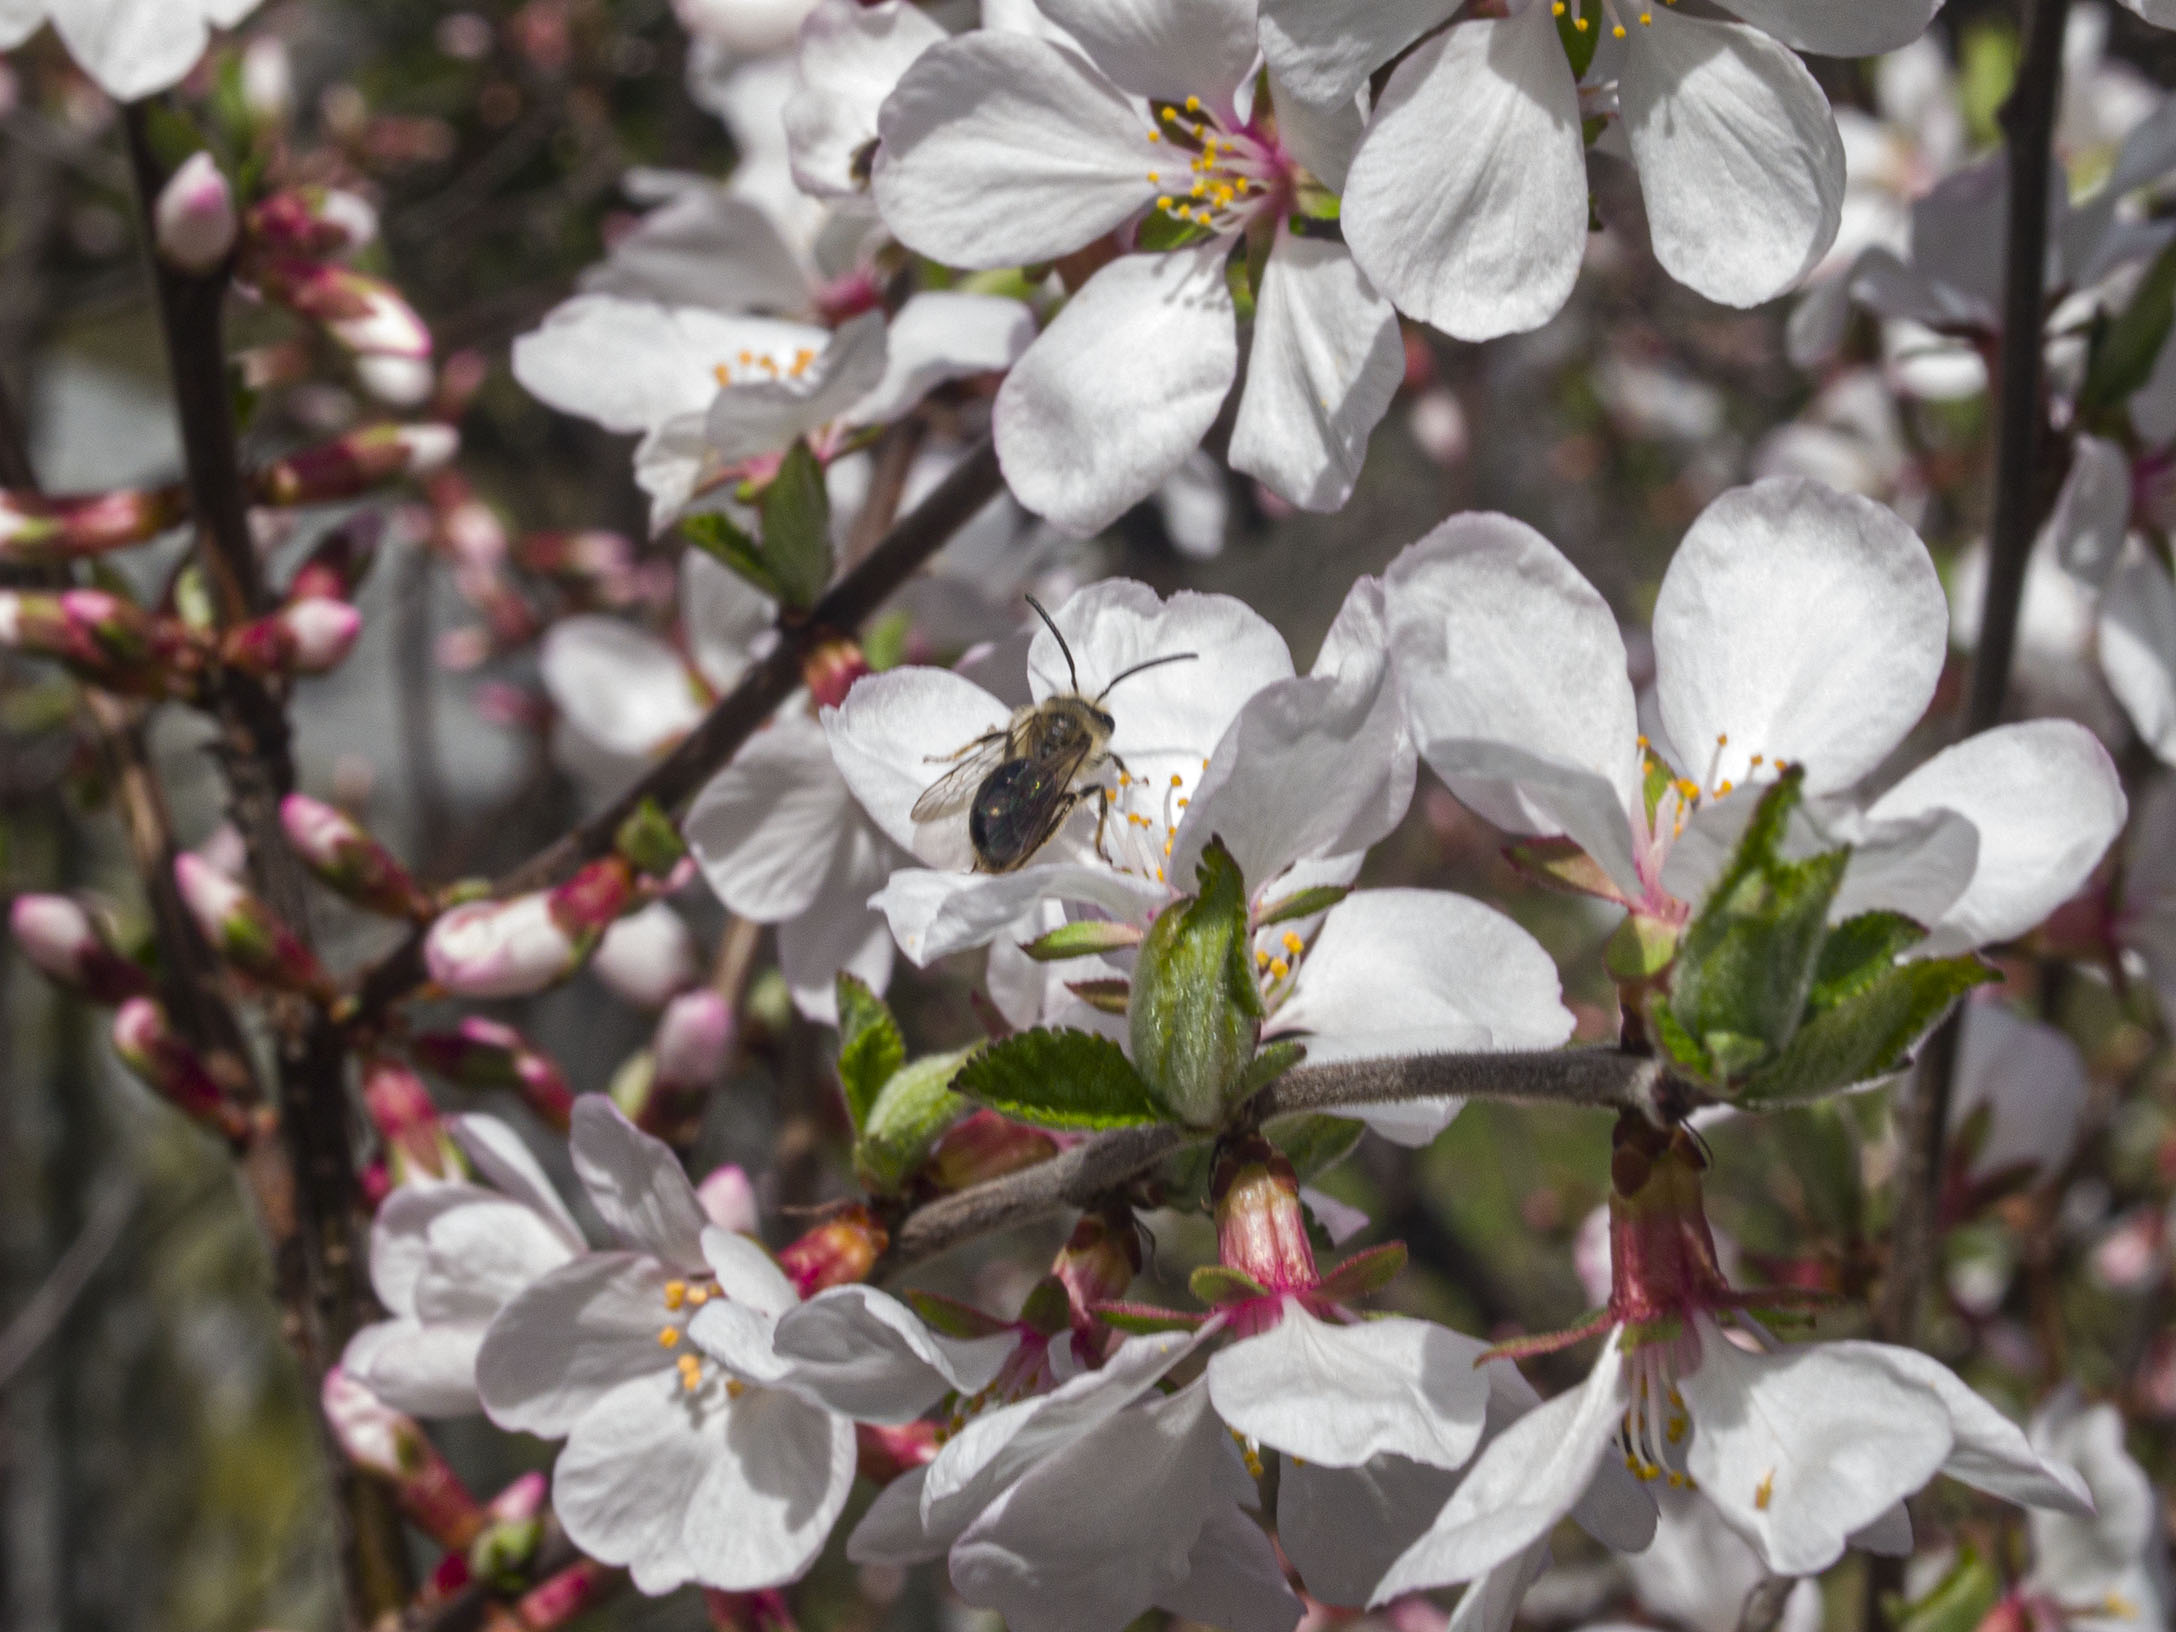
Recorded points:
(738, 715)
(2028, 121)
(1597, 1077)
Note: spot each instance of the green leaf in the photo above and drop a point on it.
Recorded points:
(1146, 1320)
(1104, 996)
(1314, 1144)
(1272, 1062)
(1060, 1079)
(1579, 26)
(2124, 351)
(1867, 1034)
(952, 1317)
(1243, 276)
(1640, 948)
(870, 1048)
(1959, 1602)
(1365, 1272)
(1858, 952)
(797, 529)
(721, 538)
(1197, 1013)
(1987, 55)
(1162, 230)
(911, 1113)
(649, 841)
(1559, 864)
(1215, 1284)
(1745, 965)
(1302, 904)
(1086, 939)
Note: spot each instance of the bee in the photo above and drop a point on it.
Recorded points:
(1019, 783)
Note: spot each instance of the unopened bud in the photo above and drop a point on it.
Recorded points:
(398, 382)
(843, 1248)
(65, 943)
(591, 902)
(150, 1047)
(886, 1453)
(357, 462)
(337, 567)
(194, 219)
(246, 932)
(382, 1441)
(346, 859)
(647, 958)
(764, 1611)
(310, 636)
(694, 1038)
(37, 529)
(268, 80)
(1261, 1227)
(984, 1146)
(556, 1601)
(831, 668)
(501, 948)
(366, 315)
(728, 1200)
(601, 563)
(401, 1109)
(102, 637)
(312, 224)
(485, 1054)
(1099, 1262)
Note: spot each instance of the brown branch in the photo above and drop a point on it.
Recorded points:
(678, 777)
(320, 1288)
(2028, 121)
(1597, 1077)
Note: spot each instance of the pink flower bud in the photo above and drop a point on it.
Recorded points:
(591, 902)
(416, 1141)
(349, 860)
(885, 1453)
(845, 1247)
(150, 1047)
(366, 315)
(323, 632)
(194, 218)
(647, 957)
(501, 948)
(337, 567)
(831, 669)
(382, 1441)
(246, 932)
(982, 1146)
(64, 943)
(694, 1038)
(355, 463)
(38, 529)
(556, 1601)
(729, 1200)
(485, 1054)
(1261, 1229)
(312, 224)
(398, 382)
(100, 636)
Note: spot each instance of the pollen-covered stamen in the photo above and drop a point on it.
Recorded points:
(1141, 827)
(1656, 1430)
(752, 366)
(1213, 173)
(1614, 13)
(682, 1298)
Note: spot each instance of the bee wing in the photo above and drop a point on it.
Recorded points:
(955, 790)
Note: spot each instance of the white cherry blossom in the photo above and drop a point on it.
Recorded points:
(2107, 1571)
(132, 48)
(1002, 148)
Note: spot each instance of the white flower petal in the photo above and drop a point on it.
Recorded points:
(631, 365)
(631, 1468)
(849, 59)
(935, 914)
(840, 933)
(2078, 1560)
(1522, 1484)
(2093, 510)
(1326, 360)
(759, 414)
(482, 1256)
(2138, 648)
(942, 335)
(1801, 1448)
(767, 830)
(705, 247)
(746, 1273)
(1234, 1579)
(727, 620)
(137, 48)
(572, 1338)
(636, 1184)
(1002, 149)
(891, 1532)
(425, 1370)
(1865, 28)
(1326, 53)
(869, 1356)
(1739, 161)
(1169, 49)
(621, 687)
(1991, 1452)
(896, 735)
(1800, 624)
(1344, 1527)
(1120, 388)
(500, 1155)
(767, 1504)
(2047, 802)
(1341, 1395)
(1467, 202)
(2031, 1080)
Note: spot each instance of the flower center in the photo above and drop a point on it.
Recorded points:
(682, 1299)
(1234, 173)
(1656, 1430)
(1144, 817)
(751, 366)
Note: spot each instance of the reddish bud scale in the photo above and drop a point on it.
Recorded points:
(402, 1111)
(886, 1453)
(391, 1447)
(366, 315)
(355, 463)
(764, 1611)
(37, 529)
(347, 859)
(983, 1146)
(831, 668)
(590, 902)
(311, 223)
(1261, 1227)
(844, 1248)
(486, 1054)
(150, 1047)
(557, 1600)
(308, 636)
(1662, 1255)
(1098, 1263)
(246, 932)
(101, 637)
(335, 569)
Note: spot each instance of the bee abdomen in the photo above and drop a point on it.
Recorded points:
(1015, 810)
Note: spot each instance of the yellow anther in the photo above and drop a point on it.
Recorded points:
(1278, 968)
(1641, 740)
(1155, 135)
(1677, 1480)
(698, 1296)
(1177, 781)
(1675, 1432)
(1164, 203)
(1159, 875)
(669, 1337)
(1580, 23)
(1125, 779)
(1293, 944)
(1172, 114)
(1183, 803)
(746, 358)
(1758, 759)
(1765, 1491)
(1618, 31)
(723, 375)
(1722, 739)
(1557, 10)
(676, 1293)
(1647, 19)
(1193, 104)
(1725, 786)
(801, 359)
(1261, 958)
(735, 1388)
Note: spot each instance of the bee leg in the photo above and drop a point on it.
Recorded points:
(986, 738)
(1103, 811)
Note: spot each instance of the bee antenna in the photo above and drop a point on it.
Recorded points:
(1152, 663)
(1051, 624)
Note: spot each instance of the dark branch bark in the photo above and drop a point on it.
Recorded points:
(1599, 1077)
(739, 714)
